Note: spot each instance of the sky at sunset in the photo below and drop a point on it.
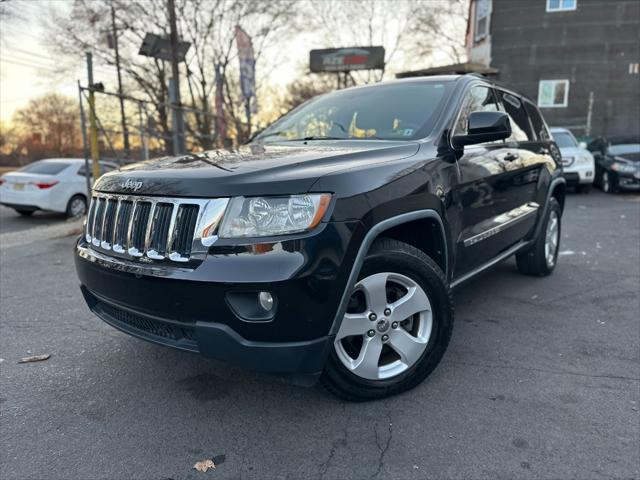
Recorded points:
(26, 67)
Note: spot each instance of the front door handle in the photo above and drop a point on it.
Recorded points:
(510, 157)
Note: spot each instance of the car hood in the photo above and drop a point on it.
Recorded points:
(250, 170)
(573, 151)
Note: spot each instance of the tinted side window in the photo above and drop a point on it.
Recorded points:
(539, 127)
(520, 127)
(104, 168)
(477, 99)
(45, 168)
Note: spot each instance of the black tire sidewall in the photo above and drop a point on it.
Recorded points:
(431, 279)
(541, 258)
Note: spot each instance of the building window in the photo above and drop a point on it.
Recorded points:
(553, 93)
(561, 5)
(481, 27)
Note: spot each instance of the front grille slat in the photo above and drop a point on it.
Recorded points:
(90, 219)
(122, 226)
(98, 222)
(159, 230)
(108, 223)
(149, 229)
(139, 228)
(184, 229)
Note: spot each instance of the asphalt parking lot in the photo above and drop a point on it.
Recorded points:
(541, 380)
(12, 221)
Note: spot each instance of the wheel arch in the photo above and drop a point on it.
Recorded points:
(559, 192)
(397, 227)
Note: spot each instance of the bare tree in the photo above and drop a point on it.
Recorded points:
(207, 24)
(410, 30)
(49, 123)
(442, 31)
(305, 88)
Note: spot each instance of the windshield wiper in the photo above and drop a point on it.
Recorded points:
(321, 137)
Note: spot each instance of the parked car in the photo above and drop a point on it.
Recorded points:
(56, 185)
(577, 162)
(617, 162)
(327, 247)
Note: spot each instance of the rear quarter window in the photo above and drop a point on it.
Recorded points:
(539, 127)
(520, 126)
(45, 168)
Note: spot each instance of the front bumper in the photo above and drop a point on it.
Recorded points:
(579, 174)
(215, 341)
(191, 309)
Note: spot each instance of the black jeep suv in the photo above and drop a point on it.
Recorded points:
(327, 247)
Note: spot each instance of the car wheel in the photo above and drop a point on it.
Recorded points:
(76, 207)
(396, 328)
(607, 183)
(542, 257)
(24, 213)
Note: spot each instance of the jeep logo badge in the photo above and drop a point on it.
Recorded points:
(130, 184)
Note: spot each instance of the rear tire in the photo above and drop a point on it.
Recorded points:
(398, 366)
(542, 257)
(76, 207)
(24, 213)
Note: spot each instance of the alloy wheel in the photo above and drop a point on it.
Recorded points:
(77, 207)
(386, 328)
(606, 183)
(551, 239)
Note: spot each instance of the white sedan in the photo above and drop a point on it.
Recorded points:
(56, 185)
(578, 164)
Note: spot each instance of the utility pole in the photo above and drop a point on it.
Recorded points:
(85, 147)
(125, 132)
(93, 127)
(178, 128)
(589, 115)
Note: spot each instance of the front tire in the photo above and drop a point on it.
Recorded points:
(397, 326)
(541, 258)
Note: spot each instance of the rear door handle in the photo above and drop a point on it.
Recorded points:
(510, 157)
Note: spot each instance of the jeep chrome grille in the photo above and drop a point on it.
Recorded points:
(153, 228)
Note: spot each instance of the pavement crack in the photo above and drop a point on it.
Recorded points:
(383, 449)
(340, 442)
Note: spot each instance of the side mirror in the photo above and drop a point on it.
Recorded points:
(583, 145)
(484, 127)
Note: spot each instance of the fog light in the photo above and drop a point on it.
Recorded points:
(266, 300)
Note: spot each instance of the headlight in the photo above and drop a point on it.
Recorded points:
(622, 167)
(267, 216)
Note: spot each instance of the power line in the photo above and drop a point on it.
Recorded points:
(28, 65)
(27, 52)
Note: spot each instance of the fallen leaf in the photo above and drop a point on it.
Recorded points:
(204, 465)
(35, 358)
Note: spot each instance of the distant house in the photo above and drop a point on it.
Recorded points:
(579, 59)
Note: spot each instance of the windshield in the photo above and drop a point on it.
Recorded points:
(564, 139)
(384, 112)
(45, 168)
(624, 148)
